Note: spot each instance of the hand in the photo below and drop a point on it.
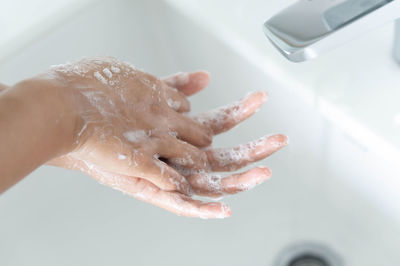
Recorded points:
(130, 122)
(202, 180)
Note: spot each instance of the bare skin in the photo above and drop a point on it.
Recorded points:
(130, 131)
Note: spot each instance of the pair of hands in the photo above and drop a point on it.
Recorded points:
(133, 133)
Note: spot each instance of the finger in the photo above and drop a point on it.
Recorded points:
(177, 100)
(230, 159)
(164, 176)
(192, 131)
(180, 204)
(171, 201)
(181, 153)
(224, 118)
(148, 192)
(121, 158)
(185, 206)
(214, 185)
(177, 203)
(188, 83)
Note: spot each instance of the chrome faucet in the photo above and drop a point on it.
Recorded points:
(309, 28)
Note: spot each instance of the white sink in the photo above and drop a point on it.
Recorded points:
(327, 187)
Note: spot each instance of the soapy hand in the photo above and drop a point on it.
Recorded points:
(129, 122)
(133, 135)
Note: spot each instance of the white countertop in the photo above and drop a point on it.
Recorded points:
(357, 86)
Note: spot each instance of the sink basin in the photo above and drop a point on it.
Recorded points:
(327, 186)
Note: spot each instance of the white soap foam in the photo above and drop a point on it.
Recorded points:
(136, 136)
(173, 104)
(122, 157)
(100, 78)
(240, 153)
(173, 134)
(107, 72)
(179, 79)
(115, 69)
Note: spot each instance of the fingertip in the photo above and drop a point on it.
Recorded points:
(266, 171)
(214, 210)
(287, 139)
(278, 141)
(202, 77)
(254, 101)
(197, 81)
(264, 96)
(259, 95)
(226, 211)
(256, 176)
(203, 72)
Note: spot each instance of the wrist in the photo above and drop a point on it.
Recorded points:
(48, 101)
(35, 125)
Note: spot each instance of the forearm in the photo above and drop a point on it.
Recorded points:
(35, 127)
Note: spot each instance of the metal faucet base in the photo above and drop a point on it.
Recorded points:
(396, 42)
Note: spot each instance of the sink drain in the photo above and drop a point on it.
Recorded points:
(308, 254)
(308, 260)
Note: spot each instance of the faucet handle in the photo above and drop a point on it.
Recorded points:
(309, 27)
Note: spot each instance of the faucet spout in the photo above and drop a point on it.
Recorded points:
(309, 28)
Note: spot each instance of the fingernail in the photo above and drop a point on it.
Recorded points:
(287, 140)
(278, 141)
(225, 212)
(201, 80)
(265, 96)
(267, 171)
(221, 212)
(203, 71)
